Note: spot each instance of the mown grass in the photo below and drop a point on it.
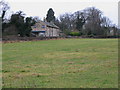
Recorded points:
(69, 63)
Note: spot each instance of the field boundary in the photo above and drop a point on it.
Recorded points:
(24, 39)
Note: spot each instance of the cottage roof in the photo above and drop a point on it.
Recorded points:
(49, 24)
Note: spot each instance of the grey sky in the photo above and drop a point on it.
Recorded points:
(40, 8)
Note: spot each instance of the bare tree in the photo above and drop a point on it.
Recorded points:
(106, 24)
(94, 20)
(66, 21)
(3, 8)
(37, 19)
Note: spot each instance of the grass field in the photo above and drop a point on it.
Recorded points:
(69, 63)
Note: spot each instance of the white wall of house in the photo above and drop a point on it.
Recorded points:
(52, 32)
(55, 32)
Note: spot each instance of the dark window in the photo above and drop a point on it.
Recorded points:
(34, 26)
(43, 26)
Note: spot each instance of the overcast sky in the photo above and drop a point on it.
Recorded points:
(40, 7)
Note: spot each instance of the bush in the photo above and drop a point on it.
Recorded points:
(74, 33)
(91, 35)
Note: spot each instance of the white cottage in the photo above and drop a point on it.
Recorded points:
(45, 29)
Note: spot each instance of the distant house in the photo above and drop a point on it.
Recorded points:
(113, 31)
(45, 29)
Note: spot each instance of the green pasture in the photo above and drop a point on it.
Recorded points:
(67, 63)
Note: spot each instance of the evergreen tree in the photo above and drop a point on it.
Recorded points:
(17, 19)
(29, 21)
(50, 15)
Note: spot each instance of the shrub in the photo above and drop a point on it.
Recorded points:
(74, 33)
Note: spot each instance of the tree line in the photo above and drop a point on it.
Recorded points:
(88, 22)
(18, 20)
